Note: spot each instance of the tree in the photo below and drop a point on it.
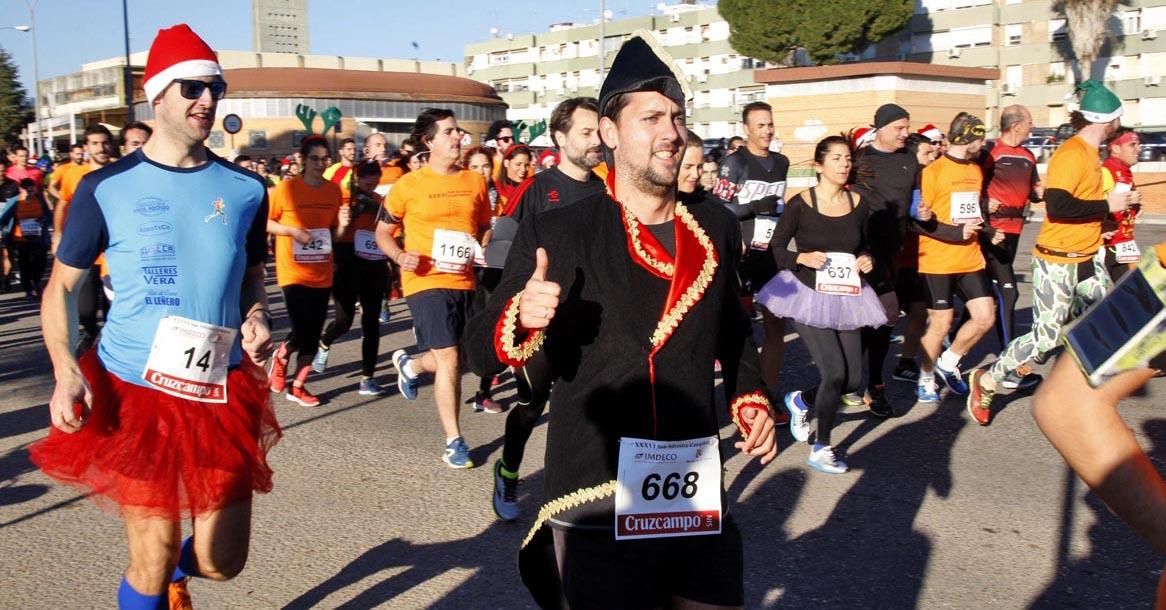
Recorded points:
(771, 30)
(15, 107)
(1087, 21)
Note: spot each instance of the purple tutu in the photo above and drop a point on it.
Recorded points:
(785, 296)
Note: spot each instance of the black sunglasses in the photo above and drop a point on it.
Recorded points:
(192, 89)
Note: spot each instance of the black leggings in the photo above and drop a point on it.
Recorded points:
(307, 308)
(90, 300)
(838, 354)
(533, 382)
(487, 281)
(30, 257)
(1000, 258)
(357, 279)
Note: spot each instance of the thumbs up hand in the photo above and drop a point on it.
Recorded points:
(539, 298)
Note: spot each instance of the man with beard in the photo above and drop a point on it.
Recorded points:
(631, 297)
(574, 129)
(752, 186)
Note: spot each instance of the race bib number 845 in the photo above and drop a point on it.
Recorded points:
(668, 488)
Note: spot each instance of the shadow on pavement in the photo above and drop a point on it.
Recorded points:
(1121, 570)
(868, 553)
(23, 421)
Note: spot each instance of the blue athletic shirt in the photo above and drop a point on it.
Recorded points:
(176, 242)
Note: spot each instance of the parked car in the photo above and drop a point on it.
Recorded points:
(1153, 146)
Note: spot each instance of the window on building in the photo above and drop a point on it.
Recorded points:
(1014, 32)
(931, 6)
(1057, 72)
(1058, 30)
(1115, 68)
(257, 139)
(972, 37)
(704, 33)
(217, 139)
(1131, 22)
(298, 138)
(1014, 76)
(499, 59)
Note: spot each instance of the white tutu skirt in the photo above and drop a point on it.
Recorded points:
(785, 296)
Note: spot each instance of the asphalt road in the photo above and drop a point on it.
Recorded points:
(936, 512)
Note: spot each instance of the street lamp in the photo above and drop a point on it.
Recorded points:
(31, 4)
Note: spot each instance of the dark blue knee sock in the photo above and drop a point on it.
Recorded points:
(186, 565)
(128, 598)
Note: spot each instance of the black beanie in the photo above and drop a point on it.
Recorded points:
(889, 113)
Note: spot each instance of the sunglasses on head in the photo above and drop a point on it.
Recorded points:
(192, 89)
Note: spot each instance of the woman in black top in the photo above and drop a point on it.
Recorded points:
(821, 290)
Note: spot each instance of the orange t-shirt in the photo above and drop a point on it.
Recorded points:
(425, 201)
(1076, 169)
(945, 182)
(1160, 250)
(60, 173)
(295, 204)
(69, 186)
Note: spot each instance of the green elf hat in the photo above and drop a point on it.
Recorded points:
(1098, 104)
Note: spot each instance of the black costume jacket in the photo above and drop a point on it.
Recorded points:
(632, 343)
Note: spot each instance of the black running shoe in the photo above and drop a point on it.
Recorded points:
(879, 405)
(906, 370)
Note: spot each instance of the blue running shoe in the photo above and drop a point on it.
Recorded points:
(384, 317)
(953, 380)
(457, 454)
(927, 392)
(405, 383)
(320, 362)
(369, 387)
(799, 420)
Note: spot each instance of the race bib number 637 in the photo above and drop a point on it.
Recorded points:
(668, 488)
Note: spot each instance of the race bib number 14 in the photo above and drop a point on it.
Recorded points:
(189, 359)
(668, 488)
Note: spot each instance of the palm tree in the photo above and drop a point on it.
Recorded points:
(1087, 20)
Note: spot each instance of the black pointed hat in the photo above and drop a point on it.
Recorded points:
(643, 65)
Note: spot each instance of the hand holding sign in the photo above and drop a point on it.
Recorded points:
(540, 298)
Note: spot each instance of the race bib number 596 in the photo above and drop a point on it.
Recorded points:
(668, 488)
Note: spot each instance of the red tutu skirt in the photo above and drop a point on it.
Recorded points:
(153, 454)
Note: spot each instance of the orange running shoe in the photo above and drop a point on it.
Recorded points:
(179, 597)
(277, 376)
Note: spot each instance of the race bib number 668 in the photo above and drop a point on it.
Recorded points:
(668, 488)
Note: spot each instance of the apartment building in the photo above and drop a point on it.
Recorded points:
(1029, 45)
(534, 72)
(1021, 39)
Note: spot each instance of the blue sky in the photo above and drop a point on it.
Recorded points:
(72, 32)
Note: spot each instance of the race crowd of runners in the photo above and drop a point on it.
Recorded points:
(615, 278)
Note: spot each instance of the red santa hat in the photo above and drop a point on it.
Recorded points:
(177, 52)
(861, 136)
(931, 132)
